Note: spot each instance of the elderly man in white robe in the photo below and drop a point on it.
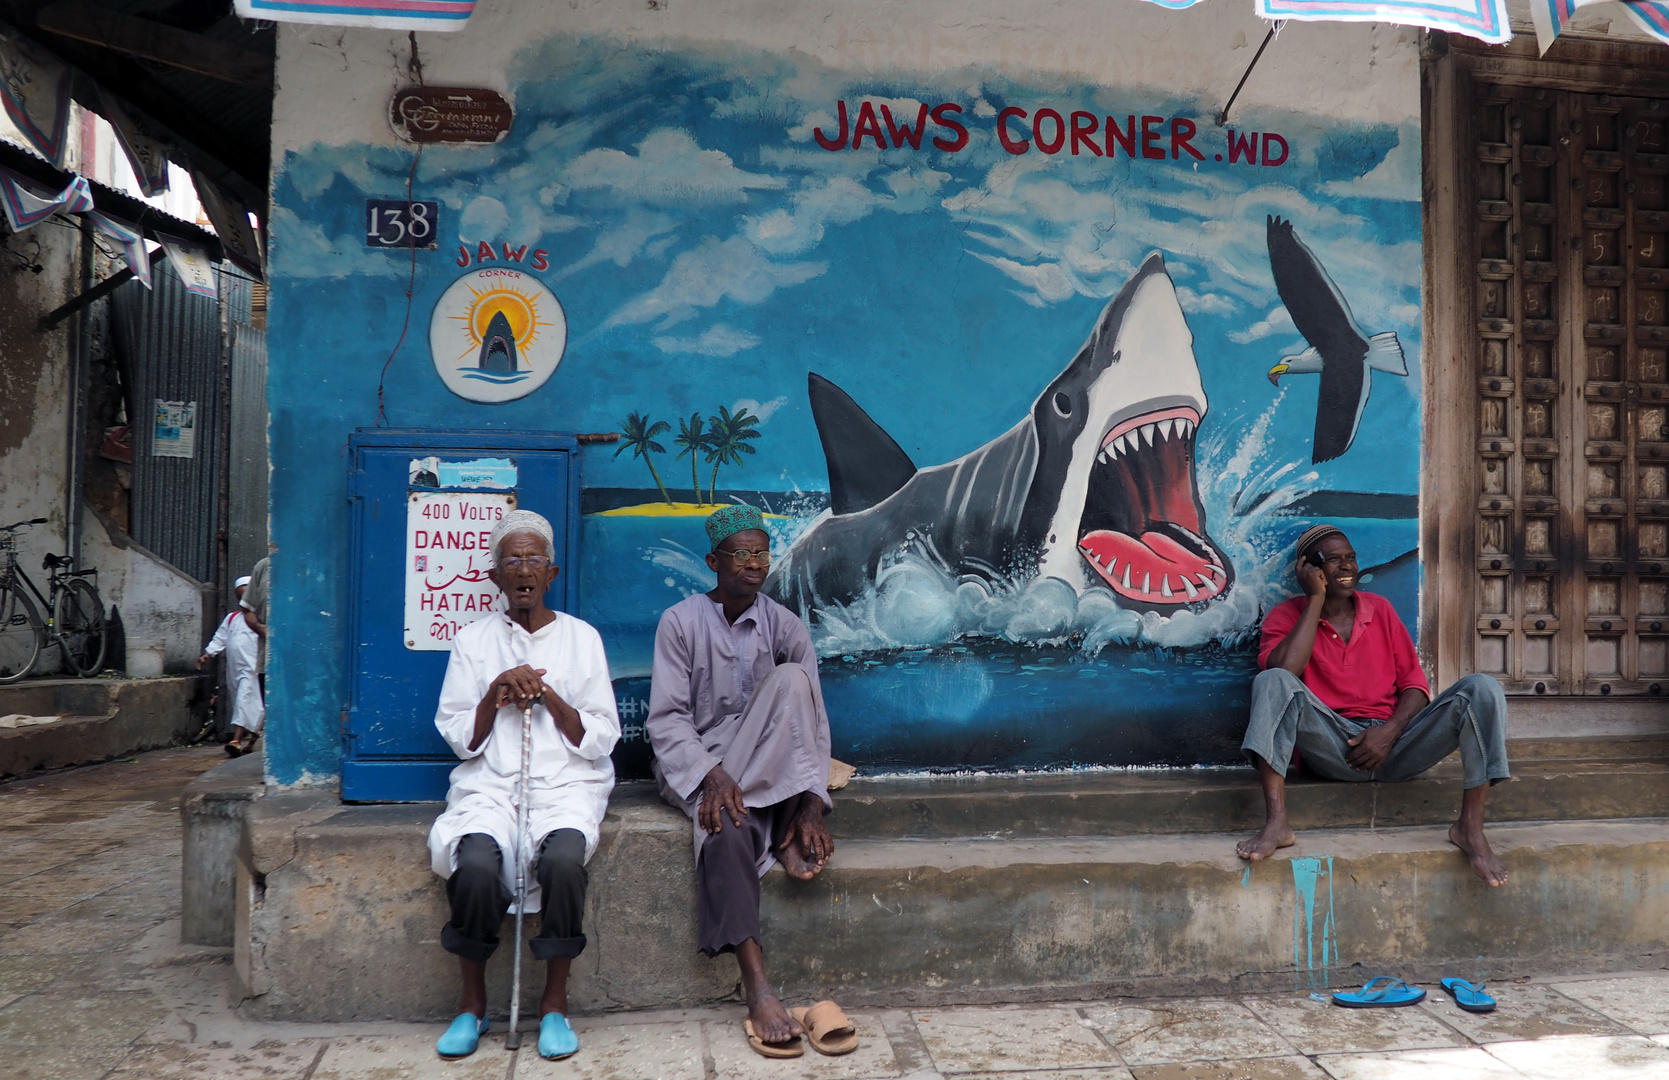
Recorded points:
(237, 639)
(526, 656)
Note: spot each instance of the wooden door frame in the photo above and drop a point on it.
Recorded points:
(1448, 412)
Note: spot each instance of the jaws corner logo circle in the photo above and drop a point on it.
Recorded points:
(497, 335)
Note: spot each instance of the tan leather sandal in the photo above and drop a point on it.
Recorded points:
(827, 1028)
(790, 1048)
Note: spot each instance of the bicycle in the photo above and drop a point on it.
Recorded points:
(75, 614)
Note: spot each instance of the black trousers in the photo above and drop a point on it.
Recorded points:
(480, 901)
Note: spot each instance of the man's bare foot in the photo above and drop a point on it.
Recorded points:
(795, 863)
(806, 846)
(771, 1022)
(1274, 835)
(1471, 840)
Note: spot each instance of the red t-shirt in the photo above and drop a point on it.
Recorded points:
(1363, 679)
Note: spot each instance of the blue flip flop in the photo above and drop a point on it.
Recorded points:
(1469, 996)
(462, 1037)
(556, 1037)
(1381, 992)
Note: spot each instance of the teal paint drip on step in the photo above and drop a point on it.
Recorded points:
(1305, 874)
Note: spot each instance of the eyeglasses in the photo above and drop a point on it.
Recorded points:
(741, 556)
(532, 562)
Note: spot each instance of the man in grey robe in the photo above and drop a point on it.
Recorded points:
(741, 744)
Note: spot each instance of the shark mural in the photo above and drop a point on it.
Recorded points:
(1095, 487)
(992, 351)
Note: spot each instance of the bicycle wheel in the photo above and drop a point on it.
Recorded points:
(21, 634)
(81, 627)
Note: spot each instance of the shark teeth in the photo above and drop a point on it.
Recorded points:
(1143, 435)
(1189, 586)
(1165, 586)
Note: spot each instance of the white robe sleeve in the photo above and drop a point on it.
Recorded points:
(217, 644)
(459, 695)
(594, 699)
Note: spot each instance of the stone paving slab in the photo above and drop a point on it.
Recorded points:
(1641, 1002)
(1523, 1011)
(1275, 1068)
(1004, 1039)
(1589, 1058)
(408, 1057)
(1318, 1027)
(1460, 1063)
(1189, 1029)
(639, 1052)
(177, 1061)
(97, 987)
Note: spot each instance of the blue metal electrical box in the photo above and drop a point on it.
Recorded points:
(424, 502)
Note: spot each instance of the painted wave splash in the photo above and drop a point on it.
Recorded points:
(499, 377)
(917, 602)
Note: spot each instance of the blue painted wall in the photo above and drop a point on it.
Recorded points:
(708, 250)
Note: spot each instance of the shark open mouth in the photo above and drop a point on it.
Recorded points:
(1141, 527)
(497, 354)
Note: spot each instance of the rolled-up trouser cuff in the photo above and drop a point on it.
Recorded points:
(455, 943)
(555, 948)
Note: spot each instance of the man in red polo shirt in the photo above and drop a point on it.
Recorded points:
(1341, 684)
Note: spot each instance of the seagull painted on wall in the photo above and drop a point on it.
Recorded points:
(1340, 352)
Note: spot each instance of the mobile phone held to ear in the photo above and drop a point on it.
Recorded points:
(1314, 559)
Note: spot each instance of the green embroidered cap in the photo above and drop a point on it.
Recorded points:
(730, 520)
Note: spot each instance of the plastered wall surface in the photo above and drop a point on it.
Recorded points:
(1022, 352)
(34, 386)
(158, 602)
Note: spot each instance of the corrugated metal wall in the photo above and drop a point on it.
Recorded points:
(246, 532)
(175, 351)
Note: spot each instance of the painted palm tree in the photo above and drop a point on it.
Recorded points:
(639, 433)
(692, 436)
(727, 440)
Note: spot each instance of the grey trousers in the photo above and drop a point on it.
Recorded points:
(727, 876)
(1471, 715)
(480, 901)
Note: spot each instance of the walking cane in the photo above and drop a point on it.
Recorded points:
(513, 1039)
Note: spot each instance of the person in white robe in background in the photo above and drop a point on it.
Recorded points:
(500, 663)
(238, 640)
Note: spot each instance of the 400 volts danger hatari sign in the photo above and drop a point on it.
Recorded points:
(448, 554)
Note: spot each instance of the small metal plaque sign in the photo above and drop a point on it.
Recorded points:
(449, 114)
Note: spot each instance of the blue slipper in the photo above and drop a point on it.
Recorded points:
(1381, 992)
(1469, 996)
(556, 1037)
(462, 1037)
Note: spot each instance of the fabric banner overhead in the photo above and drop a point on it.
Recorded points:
(27, 205)
(36, 90)
(147, 153)
(1552, 16)
(385, 14)
(132, 241)
(230, 218)
(1652, 16)
(1485, 20)
(192, 265)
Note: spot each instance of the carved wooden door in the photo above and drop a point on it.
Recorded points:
(1572, 547)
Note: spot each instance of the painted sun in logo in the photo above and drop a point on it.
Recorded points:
(520, 311)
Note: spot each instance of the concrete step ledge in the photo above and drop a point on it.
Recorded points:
(1215, 800)
(102, 719)
(211, 818)
(338, 915)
